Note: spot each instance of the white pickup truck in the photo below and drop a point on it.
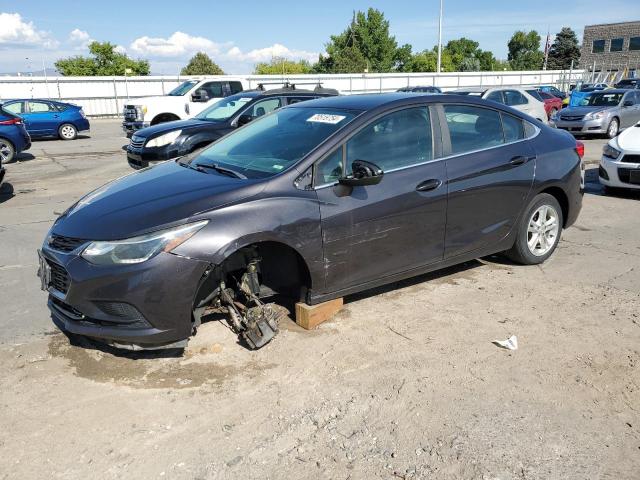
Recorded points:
(186, 100)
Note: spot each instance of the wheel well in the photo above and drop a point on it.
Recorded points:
(562, 199)
(164, 117)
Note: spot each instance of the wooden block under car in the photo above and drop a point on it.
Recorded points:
(310, 316)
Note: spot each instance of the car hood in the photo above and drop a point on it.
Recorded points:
(167, 127)
(150, 199)
(575, 111)
(629, 140)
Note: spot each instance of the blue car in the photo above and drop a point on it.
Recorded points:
(13, 138)
(47, 118)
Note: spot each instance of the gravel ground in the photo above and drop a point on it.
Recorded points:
(403, 383)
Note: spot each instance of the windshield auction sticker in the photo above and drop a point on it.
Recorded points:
(326, 118)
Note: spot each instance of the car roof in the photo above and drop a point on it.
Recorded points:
(371, 101)
(611, 90)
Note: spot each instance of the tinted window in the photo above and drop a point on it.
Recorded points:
(601, 99)
(513, 128)
(598, 46)
(213, 89)
(616, 45)
(263, 107)
(16, 108)
(496, 97)
(634, 43)
(235, 87)
(40, 107)
(397, 140)
(299, 99)
(271, 144)
(329, 169)
(513, 97)
(535, 94)
(473, 128)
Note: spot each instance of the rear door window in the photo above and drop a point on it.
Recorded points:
(235, 87)
(397, 140)
(513, 97)
(473, 128)
(513, 128)
(40, 107)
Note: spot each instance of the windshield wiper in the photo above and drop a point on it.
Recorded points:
(219, 169)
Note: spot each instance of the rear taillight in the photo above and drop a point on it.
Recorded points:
(580, 148)
(11, 121)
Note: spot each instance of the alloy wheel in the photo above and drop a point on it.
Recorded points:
(613, 128)
(543, 230)
(67, 131)
(6, 152)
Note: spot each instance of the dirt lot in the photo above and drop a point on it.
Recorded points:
(403, 383)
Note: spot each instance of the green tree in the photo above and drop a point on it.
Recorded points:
(524, 51)
(104, 60)
(564, 50)
(282, 66)
(427, 61)
(365, 44)
(201, 64)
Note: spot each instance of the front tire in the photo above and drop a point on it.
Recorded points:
(613, 128)
(67, 132)
(7, 151)
(539, 231)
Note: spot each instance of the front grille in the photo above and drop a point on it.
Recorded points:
(571, 118)
(630, 159)
(64, 244)
(137, 142)
(130, 113)
(59, 277)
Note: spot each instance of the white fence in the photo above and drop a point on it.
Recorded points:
(106, 96)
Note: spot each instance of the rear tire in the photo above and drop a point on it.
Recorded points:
(67, 132)
(613, 128)
(7, 151)
(539, 231)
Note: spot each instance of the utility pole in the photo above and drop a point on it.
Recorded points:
(440, 38)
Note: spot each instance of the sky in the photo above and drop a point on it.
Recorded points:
(239, 34)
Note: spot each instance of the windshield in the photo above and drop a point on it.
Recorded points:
(224, 109)
(271, 144)
(182, 88)
(601, 99)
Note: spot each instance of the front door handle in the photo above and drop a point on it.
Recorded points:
(427, 185)
(520, 160)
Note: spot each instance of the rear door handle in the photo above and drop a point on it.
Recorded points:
(520, 160)
(427, 185)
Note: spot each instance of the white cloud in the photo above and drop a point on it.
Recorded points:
(120, 49)
(15, 32)
(267, 53)
(177, 45)
(80, 39)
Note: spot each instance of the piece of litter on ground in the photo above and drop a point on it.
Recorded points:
(510, 343)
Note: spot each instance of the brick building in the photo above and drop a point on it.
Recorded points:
(612, 47)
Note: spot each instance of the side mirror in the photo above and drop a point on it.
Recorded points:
(200, 95)
(364, 173)
(628, 103)
(244, 119)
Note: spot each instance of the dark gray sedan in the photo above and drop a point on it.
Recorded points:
(313, 201)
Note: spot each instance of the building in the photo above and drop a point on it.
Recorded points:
(612, 48)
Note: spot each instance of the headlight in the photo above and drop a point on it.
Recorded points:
(610, 152)
(163, 140)
(595, 115)
(139, 249)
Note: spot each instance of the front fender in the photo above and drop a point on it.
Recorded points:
(292, 220)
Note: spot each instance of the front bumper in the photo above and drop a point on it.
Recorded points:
(617, 174)
(582, 127)
(141, 157)
(130, 127)
(144, 305)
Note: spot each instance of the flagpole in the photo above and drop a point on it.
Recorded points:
(440, 38)
(546, 49)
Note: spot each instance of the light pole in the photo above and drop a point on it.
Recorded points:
(440, 38)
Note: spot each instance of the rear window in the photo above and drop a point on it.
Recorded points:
(235, 87)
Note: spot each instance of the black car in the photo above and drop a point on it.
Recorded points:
(175, 139)
(420, 89)
(628, 83)
(315, 201)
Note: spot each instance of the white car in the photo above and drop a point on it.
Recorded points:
(620, 162)
(514, 97)
(186, 100)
